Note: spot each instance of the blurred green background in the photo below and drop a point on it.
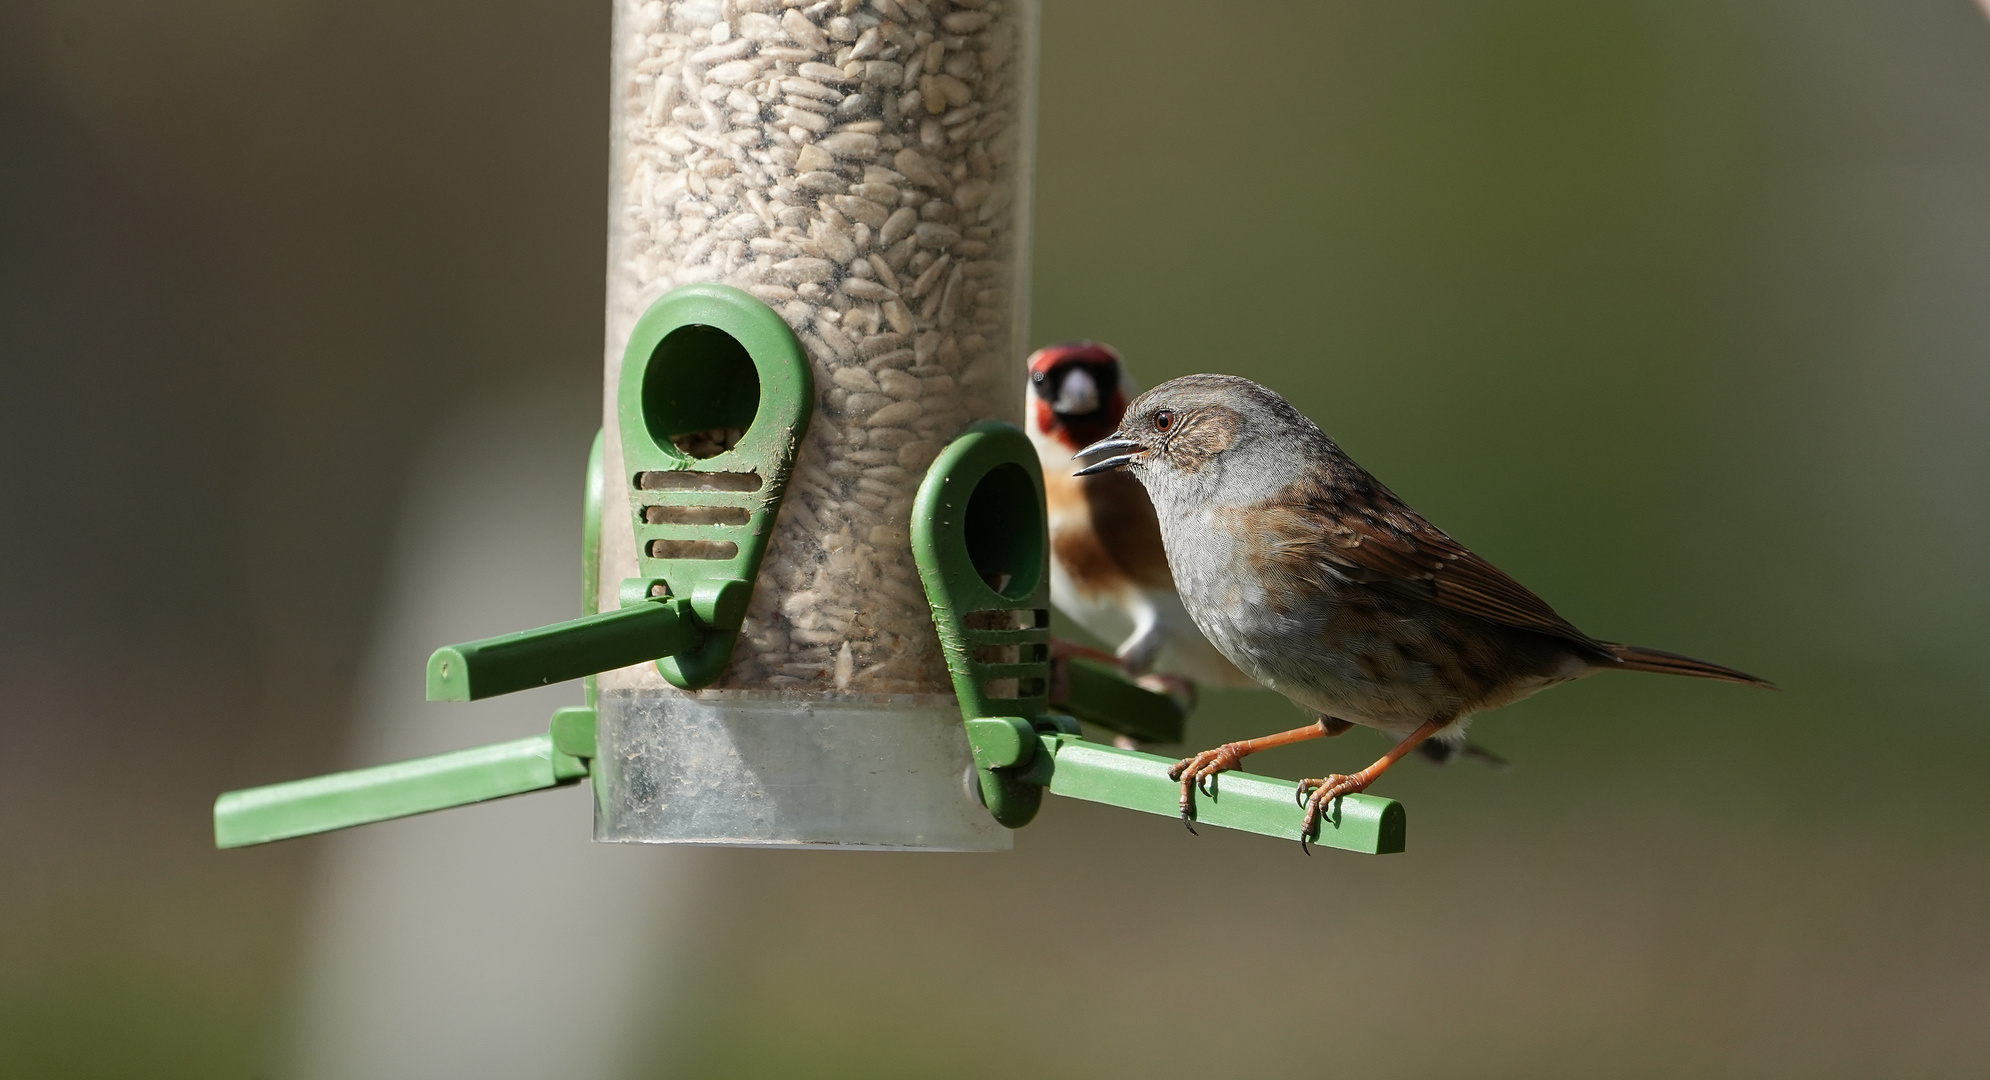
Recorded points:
(1679, 312)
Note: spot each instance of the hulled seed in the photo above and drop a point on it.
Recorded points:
(851, 163)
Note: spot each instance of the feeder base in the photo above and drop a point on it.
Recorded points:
(735, 768)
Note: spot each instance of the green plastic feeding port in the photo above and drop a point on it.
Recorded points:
(713, 403)
(983, 548)
(979, 535)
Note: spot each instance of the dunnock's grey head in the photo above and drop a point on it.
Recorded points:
(1210, 439)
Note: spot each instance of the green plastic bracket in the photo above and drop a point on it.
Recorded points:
(979, 537)
(979, 534)
(706, 365)
(704, 362)
(342, 800)
(572, 731)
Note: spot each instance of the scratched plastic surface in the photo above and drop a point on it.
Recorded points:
(737, 769)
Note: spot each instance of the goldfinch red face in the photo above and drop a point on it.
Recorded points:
(1077, 392)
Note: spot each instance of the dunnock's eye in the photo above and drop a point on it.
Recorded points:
(1164, 420)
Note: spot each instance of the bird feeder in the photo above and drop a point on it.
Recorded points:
(815, 552)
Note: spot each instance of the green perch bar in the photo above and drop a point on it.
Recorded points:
(1260, 804)
(363, 796)
(1077, 769)
(570, 650)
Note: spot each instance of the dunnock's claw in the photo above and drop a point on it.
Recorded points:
(1180, 772)
(1327, 791)
(1189, 824)
(1198, 774)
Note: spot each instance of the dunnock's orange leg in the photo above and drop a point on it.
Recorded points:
(1200, 771)
(1328, 788)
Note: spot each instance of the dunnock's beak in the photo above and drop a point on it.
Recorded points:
(1114, 444)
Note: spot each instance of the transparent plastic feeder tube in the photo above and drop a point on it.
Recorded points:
(863, 169)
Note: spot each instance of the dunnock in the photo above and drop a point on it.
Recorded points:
(1321, 584)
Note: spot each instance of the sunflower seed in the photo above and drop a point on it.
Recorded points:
(964, 22)
(894, 414)
(805, 33)
(898, 384)
(852, 163)
(806, 269)
(865, 289)
(732, 72)
(850, 144)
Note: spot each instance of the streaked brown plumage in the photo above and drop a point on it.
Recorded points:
(1322, 584)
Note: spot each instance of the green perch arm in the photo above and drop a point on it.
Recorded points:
(1259, 804)
(589, 645)
(342, 800)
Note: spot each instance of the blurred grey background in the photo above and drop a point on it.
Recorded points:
(1679, 311)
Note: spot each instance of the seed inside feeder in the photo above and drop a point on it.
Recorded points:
(707, 444)
(853, 166)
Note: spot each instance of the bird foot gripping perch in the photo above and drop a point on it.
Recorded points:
(979, 537)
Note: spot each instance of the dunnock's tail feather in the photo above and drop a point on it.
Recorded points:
(1638, 658)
